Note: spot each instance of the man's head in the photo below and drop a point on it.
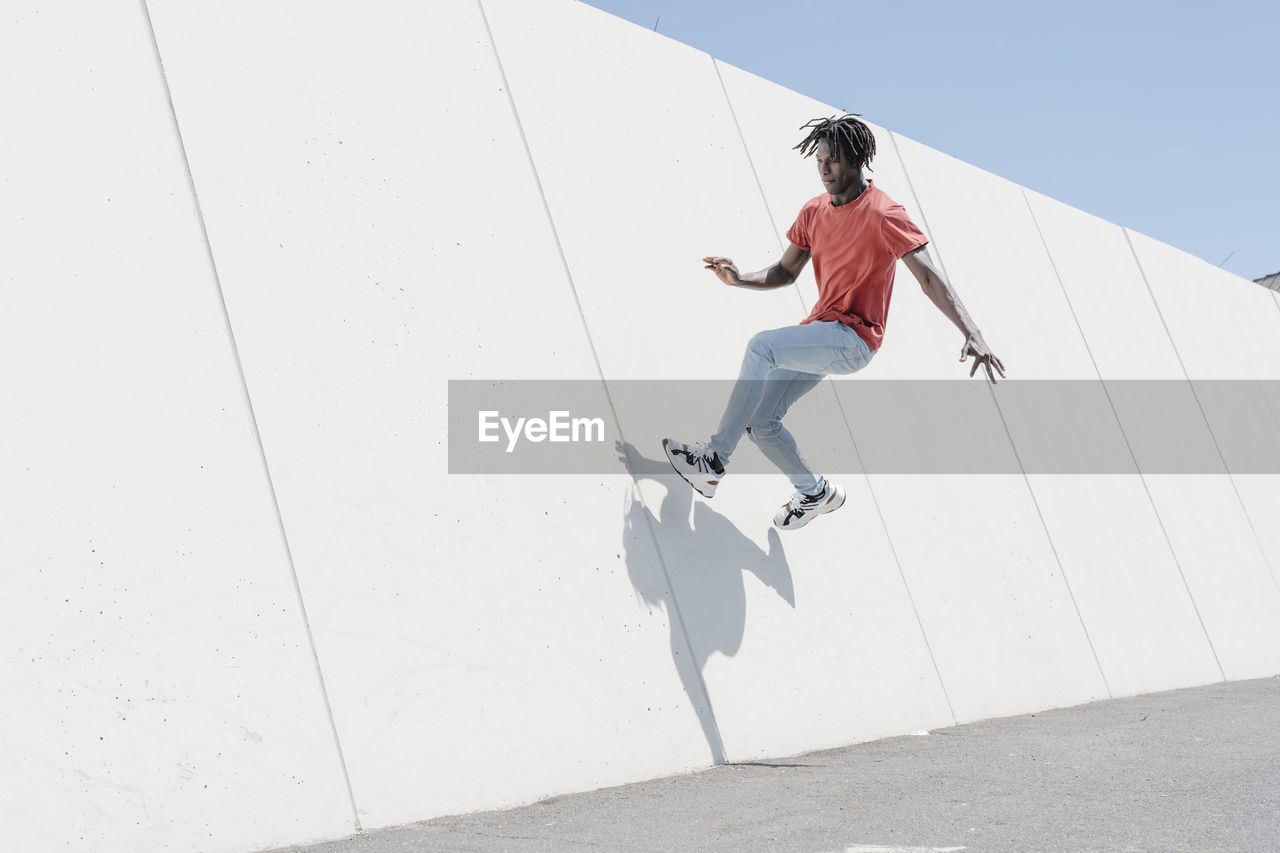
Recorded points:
(848, 140)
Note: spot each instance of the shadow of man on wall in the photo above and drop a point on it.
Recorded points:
(698, 578)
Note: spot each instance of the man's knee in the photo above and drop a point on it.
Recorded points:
(763, 430)
(761, 345)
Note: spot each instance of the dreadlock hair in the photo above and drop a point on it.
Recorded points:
(847, 135)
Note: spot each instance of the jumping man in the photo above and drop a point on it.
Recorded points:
(855, 235)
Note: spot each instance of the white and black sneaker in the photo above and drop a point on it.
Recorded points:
(802, 508)
(699, 466)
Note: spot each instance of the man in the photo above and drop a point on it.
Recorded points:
(855, 234)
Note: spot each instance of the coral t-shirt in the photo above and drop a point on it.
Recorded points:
(855, 248)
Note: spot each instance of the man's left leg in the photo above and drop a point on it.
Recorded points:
(766, 430)
(814, 349)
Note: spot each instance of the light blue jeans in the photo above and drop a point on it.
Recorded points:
(781, 366)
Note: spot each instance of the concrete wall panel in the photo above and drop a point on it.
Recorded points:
(1108, 299)
(1212, 315)
(803, 641)
(983, 232)
(1142, 582)
(160, 692)
(986, 235)
(1201, 515)
(997, 562)
(1220, 331)
(1246, 316)
(1258, 329)
(384, 233)
(1224, 330)
(634, 231)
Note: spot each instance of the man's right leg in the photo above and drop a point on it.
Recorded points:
(815, 348)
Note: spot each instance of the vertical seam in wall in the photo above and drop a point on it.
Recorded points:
(1178, 354)
(743, 139)
(253, 420)
(677, 615)
(1132, 455)
(1266, 400)
(1026, 479)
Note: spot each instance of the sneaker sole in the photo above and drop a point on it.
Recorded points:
(694, 485)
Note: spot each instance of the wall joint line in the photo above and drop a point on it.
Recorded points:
(253, 419)
(1195, 607)
(1044, 525)
(1221, 456)
(718, 754)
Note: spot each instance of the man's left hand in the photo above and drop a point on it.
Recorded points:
(982, 357)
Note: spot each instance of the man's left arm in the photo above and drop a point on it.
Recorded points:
(940, 292)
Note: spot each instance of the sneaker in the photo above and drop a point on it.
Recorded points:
(696, 463)
(802, 508)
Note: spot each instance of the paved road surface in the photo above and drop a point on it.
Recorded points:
(1188, 770)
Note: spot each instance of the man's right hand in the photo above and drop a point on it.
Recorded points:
(781, 274)
(724, 270)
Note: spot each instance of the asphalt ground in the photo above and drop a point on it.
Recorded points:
(1188, 770)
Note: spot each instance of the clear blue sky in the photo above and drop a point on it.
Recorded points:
(1163, 117)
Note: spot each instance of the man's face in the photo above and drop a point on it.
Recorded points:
(838, 176)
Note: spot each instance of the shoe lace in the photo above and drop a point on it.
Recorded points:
(801, 503)
(698, 455)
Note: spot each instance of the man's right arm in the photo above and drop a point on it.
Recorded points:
(781, 274)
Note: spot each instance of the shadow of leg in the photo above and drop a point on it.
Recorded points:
(698, 579)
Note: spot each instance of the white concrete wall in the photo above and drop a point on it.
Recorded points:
(1130, 570)
(480, 638)
(159, 689)
(243, 602)
(1221, 330)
